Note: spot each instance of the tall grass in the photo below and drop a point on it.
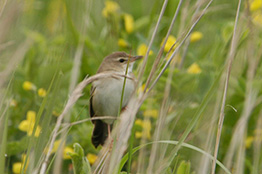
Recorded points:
(58, 45)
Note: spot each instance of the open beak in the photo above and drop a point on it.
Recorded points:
(134, 58)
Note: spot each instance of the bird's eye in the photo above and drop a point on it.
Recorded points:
(121, 60)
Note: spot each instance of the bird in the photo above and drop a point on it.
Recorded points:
(105, 95)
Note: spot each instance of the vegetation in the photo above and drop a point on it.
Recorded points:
(198, 99)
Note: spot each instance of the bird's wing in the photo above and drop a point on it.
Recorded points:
(91, 111)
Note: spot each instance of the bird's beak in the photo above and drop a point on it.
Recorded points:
(134, 58)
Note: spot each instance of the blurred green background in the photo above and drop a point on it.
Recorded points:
(48, 46)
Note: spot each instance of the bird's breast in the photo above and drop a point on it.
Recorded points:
(107, 96)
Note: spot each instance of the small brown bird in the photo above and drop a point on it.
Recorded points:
(106, 93)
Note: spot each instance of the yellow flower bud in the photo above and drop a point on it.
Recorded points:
(66, 150)
(30, 116)
(194, 69)
(249, 141)
(142, 49)
(122, 43)
(111, 7)
(138, 134)
(28, 124)
(255, 5)
(129, 23)
(169, 43)
(91, 158)
(41, 92)
(151, 113)
(28, 86)
(139, 122)
(17, 167)
(196, 36)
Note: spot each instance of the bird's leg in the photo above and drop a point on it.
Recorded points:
(109, 137)
(109, 131)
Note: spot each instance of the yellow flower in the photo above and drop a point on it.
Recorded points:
(138, 134)
(142, 88)
(56, 146)
(249, 141)
(196, 36)
(129, 23)
(13, 103)
(66, 150)
(28, 86)
(23, 160)
(139, 122)
(257, 18)
(151, 113)
(91, 158)
(41, 92)
(28, 124)
(194, 69)
(55, 113)
(30, 116)
(256, 5)
(111, 7)
(146, 125)
(17, 167)
(169, 43)
(142, 49)
(122, 43)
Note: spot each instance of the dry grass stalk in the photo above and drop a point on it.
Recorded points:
(127, 118)
(142, 70)
(178, 46)
(73, 82)
(76, 94)
(198, 4)
(164, 106)
(160, 52)
(222, 110)
(251, 98)
(257, 148)
(208, 146)
(2, 7)
(17, 57)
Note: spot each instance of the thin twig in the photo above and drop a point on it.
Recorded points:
(222, 111)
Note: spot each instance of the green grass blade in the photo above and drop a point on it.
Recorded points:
(41, 141)
(195, 118)
(3, 138)
(3, 143)
(189, 146)
(32, 140)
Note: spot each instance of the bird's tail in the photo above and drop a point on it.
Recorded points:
(99, 133)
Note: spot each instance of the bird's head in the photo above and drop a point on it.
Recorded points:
(117, 62)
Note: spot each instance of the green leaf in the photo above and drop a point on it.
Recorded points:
(183, 168)
(80, 163)
(16, 147)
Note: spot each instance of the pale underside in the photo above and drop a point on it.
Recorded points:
(106, 97)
